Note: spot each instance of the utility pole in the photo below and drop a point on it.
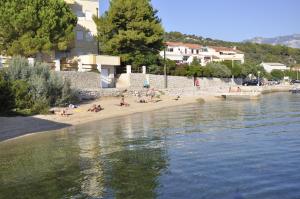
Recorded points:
(232, 65)
(98, 47)
(258, 73)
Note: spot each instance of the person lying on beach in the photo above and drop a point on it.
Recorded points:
(122, 102)
(177, 98)
(141, 100)
(95, 108)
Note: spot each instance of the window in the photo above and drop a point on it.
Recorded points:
(170, 49)
(185, 58)
(197, 51)
(79, 35)
(89, 36)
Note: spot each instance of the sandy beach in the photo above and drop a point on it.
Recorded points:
(12, 127)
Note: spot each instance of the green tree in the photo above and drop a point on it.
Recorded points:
(21, 90)
(131, 29)
(218, 70)
(7, 98)
(277, 74)
(235, 67)
(194, 69)
(33, 26)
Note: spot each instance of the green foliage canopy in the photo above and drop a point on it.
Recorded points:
(277, 74)
(32, 26)
(6, 94)
(218, 70)
(131, 29)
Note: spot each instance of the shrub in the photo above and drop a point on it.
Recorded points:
(36, 87)
(23, 98)
(40, 106)
(219, 70)
(18, 69)
(277, 74)
(7, 98)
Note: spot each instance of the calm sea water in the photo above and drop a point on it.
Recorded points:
(227, 149)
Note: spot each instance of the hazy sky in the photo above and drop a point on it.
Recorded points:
(232, 20)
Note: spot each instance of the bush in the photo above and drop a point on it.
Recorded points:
(36, 87)
(277, 74)
(218, 70)
(7, 102)
(40, 106)
(23, 98)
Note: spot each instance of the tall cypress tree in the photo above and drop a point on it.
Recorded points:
(132, 30)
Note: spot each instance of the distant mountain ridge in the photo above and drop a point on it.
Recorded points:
(292, 41)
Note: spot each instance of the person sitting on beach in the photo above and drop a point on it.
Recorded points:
(64, 113)
(151, 94)
(239, 89)
(122, 102)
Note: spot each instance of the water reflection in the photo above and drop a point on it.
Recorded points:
(89, 161)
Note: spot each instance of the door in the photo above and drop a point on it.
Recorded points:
(104, 78)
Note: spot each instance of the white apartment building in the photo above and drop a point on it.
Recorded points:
(274, 66)
(185, 53)
(85, 42)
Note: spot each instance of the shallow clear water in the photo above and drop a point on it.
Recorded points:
(227, 149)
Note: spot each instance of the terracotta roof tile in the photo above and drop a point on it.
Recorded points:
(222, 49)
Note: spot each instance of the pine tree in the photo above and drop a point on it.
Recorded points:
(31, 26)
(131, 29)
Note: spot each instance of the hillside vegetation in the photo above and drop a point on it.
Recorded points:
(254, 53)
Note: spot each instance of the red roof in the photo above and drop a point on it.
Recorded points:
(188, 45)
(224, 49)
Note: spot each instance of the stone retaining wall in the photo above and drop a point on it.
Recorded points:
(87, 84)
(158, 81)
(82, 80)
(136, 80)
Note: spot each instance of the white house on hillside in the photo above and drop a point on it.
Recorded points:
(185, 53)
(274, 66)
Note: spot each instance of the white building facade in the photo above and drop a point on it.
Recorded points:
(274, 66)
(86, 30)
(184, 53)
